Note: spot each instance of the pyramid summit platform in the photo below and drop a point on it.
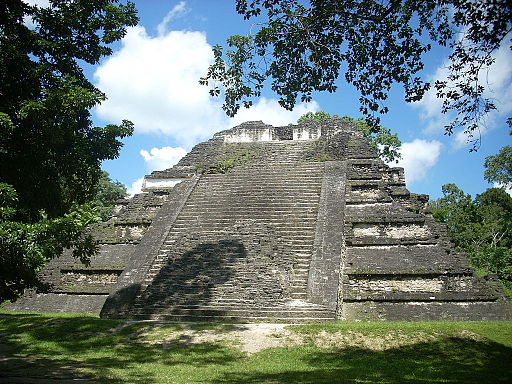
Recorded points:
(299, 223)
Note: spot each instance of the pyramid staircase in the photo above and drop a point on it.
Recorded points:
(292, 224)
(241, 246)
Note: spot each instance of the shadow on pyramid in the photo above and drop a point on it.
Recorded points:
(292, 224)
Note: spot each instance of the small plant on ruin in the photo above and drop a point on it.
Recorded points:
(229, 161)
(324, 157)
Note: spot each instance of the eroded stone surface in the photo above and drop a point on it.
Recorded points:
(294, 224)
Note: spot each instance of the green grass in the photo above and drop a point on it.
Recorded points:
(109, 351)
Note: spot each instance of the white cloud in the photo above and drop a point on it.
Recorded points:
(153, 81)
(39, 3)
(498, 82)
(28, 20)
(136, 187)
(157, 159)
(498, 185)
(178, 11)
(162, 158)
(418, 157)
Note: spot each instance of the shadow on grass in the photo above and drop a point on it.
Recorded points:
(108, 351)
(104, 351)
(449, 360)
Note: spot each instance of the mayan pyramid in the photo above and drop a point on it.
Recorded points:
(260, 223)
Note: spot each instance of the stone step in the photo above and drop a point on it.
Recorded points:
(259, 213)
(267, 206)
(283, 166)
(275, 218)
(426, 311)
(235, 267)
(189, 279)
(244, 305)
(306, 218)
(216, 235)
(281, 225)
(298, 186)
(278, 312)
(239, 318)
(283, 229)
(365, 241)
(278, 177)
(208, 310)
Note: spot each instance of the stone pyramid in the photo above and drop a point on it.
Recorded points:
(260, 223)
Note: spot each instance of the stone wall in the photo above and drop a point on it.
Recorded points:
(74, 287)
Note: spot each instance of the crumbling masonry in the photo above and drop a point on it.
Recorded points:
(298, 223)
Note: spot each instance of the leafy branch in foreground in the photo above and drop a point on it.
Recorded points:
(26, 248)
(50, 151)
(372, 44)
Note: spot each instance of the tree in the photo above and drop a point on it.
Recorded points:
(371, 43)
(49, 150)
(498, 168)
(479, 227)
(456, 209)
(108, 192)
(382, 140)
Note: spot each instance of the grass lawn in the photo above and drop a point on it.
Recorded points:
(107, 351)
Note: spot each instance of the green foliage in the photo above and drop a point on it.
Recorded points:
(49, 150)
(315, 116)
(26, 248)
(324, 157)
(381, 139)
(108, 192)
(498, 168)
(227, 160)
(480, 227)
(8, 201)
(303, 47)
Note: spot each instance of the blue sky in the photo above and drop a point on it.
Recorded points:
(152, 80)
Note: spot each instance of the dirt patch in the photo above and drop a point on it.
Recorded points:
(256, 337)
(252, 338)
(376, 342)
(249, 338)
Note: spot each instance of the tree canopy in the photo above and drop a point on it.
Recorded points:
(50, 152)
(108, 192)
(301, 47)
(498, 168)
(481, 227)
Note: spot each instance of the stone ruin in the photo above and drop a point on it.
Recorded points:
(260, 223)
